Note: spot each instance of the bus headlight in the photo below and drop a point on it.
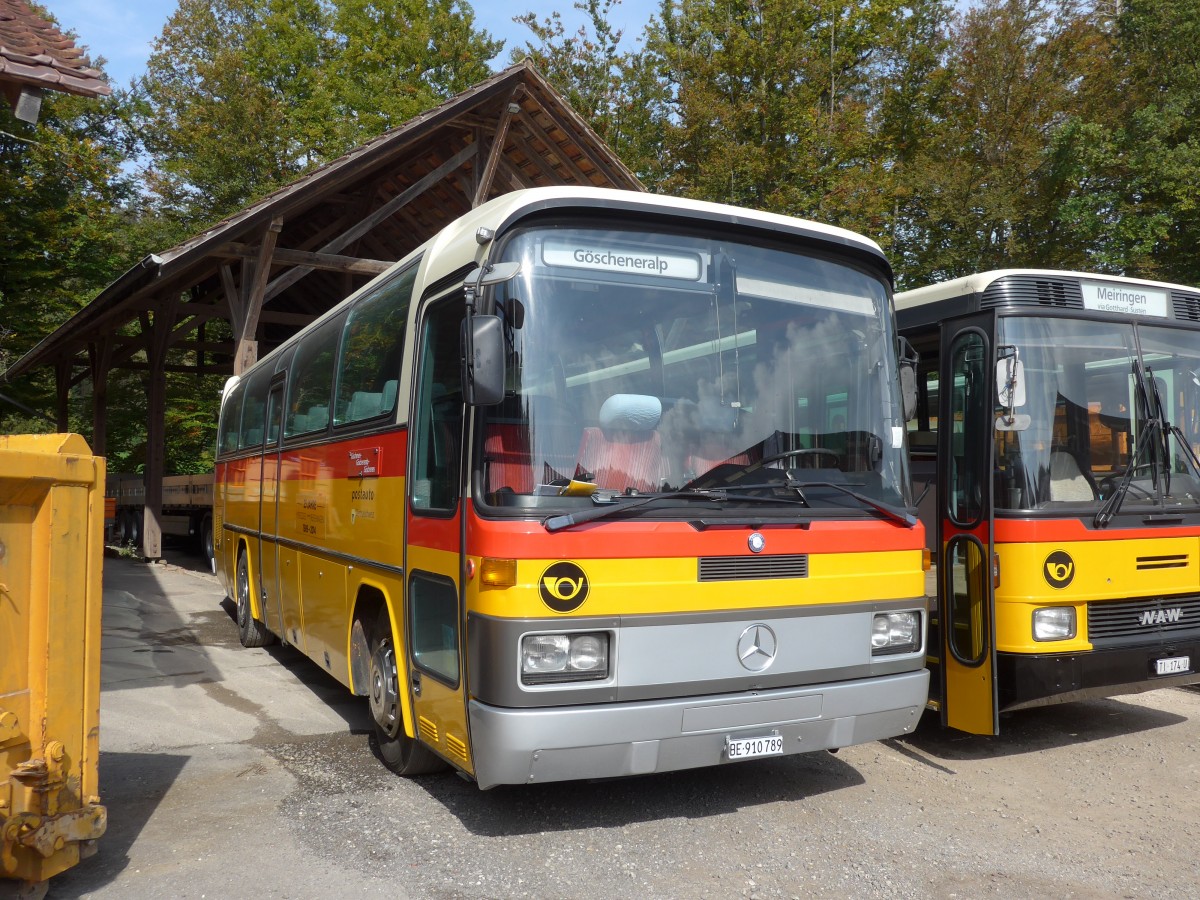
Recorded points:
(896, 632)
(1054, 623)
(564, 657)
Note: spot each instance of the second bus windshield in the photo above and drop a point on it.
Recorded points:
(644, 362)
(1086, 405)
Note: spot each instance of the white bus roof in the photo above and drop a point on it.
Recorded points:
(980, 281)
(456, 245)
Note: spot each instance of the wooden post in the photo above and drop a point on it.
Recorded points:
(156, 413)
(252, 297)
(100, 357)
(62, 389)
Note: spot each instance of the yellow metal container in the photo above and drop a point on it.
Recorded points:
(51, 553)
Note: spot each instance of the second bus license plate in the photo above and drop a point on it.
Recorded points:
(1172, 665)
(749, 748)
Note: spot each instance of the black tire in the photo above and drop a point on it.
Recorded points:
(400, 753)
(206, 543)
(133, 528)
(119, 529)
(251, 632)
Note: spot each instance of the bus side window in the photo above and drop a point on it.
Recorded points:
(231, 417)
(438, 409)
(312, 381)
(372, 348)
(254, 410)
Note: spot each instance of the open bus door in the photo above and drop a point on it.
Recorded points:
(966, 600)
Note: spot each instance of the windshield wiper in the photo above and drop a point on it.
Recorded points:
(558, 523)
(1113, 504)
(904, 517)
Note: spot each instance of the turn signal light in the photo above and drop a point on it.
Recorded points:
(498, 572)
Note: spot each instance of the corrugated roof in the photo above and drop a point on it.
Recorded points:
(34, 52)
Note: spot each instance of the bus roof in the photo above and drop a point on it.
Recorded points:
(457, 246)
(980, 281)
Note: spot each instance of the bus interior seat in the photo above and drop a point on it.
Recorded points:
(318, 417)
(369, 404)
(364, 405)
(625, 450)
(1067, 480)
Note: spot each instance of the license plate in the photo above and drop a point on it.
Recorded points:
(1172, 665)
(748, 748)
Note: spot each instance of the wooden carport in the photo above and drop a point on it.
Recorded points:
(277, 265)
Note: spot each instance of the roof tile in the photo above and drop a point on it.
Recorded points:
(33, 51)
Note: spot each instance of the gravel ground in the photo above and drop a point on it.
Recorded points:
(1094, 799)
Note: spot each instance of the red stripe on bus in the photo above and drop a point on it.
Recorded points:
(1050, 531)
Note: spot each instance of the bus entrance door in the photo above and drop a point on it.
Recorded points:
(966, 601)
(434, 616)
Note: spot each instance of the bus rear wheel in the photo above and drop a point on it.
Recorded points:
(206, 543)
(400, 753)
(251, 632)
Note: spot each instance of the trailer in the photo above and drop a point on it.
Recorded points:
(186, 509)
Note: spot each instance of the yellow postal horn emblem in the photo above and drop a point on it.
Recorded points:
(563, 587)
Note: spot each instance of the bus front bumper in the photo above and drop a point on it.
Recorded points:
(530, 746)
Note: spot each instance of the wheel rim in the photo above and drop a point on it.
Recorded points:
(243, 591)
(385, 694)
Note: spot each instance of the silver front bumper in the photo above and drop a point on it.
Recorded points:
(528, 746)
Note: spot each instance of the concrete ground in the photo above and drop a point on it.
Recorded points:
(233, 773)
(195, 800)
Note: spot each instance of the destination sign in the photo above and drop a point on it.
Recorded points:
(609, 258)
(1129, 299)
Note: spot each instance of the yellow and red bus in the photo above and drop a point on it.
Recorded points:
(1067, 504)
(594, 483)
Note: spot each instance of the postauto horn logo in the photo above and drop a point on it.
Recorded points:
(1059, 569)
(563, 587)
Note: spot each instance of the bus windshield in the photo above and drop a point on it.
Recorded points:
(643, 362)
(1099, 398)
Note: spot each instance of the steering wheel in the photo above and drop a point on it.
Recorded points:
(1109, 484)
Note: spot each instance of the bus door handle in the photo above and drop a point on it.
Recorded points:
(415, 680)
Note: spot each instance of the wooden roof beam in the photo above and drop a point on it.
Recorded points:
(327, 262)
(511, 108)
(283, 282)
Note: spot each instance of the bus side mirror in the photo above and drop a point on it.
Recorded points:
(1010, 382)
(908, 358)
(483, 360)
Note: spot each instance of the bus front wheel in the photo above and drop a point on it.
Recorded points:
(400, 753)
(251, 632)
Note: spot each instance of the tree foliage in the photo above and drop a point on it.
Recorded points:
(242, 96)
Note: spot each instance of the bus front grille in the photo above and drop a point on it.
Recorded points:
(743, 568)
(1147, 618)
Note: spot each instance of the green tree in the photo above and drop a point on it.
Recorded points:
(788, 107)
(1131, 156)
(985, 188)
(66, 211)
(619, 92)
(242, 96)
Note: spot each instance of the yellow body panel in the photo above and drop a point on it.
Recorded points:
(668, 585)
(1101, 570)
(51, 552)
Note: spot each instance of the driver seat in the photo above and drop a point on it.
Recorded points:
(1067, 481)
